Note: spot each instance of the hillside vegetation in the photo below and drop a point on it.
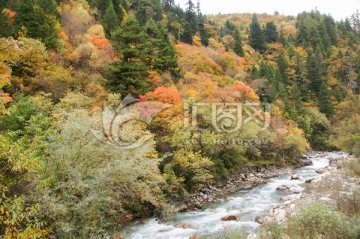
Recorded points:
(62, 61)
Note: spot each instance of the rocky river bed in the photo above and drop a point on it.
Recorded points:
(245, 201)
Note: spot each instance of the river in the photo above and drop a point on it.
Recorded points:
(245, 205)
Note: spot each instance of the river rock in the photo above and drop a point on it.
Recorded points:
(186, 226)
(320, 171)
(291, 197)
(282, 188)
(306, 162)
(296, 189)
(279, 215)
(229, 218)
(309, 180)
(180, 207)
(259, 220)
(295, 177)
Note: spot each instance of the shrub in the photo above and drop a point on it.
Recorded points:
(319, 220)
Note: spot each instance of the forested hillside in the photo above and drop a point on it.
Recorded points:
(62, 61)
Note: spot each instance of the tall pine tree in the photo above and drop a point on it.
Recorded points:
(190, 27)
(110, 19)
(271, 34)
(39, 19)
(128, 75)
(162, 54)
(256, 36)
(238, 48)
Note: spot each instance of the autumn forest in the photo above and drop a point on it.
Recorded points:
(65, 63)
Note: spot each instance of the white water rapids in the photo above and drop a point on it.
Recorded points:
(245, 205)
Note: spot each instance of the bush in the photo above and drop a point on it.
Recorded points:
(319, 220)
(91, 184)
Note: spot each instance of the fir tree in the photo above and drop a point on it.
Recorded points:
(129, 74)
(238, 49)
(256, 36)
(190, 27)
(144, 11)
(271, 34)
(283, 66)
(313, 73)
(324, 101)
(39, 18)
(162, 54)
(168, 4)
(110, 19)
(201, 26)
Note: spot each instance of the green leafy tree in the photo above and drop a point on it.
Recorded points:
(256, 35)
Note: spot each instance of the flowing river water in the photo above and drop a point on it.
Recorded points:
(245, 205)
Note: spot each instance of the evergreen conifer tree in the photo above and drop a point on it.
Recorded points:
(39, 18)
(271, 34)
(129, 74)
(256, 36)
(110, 19)
(238, 49)
(190, 27)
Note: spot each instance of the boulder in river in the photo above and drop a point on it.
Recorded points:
(296, 189)
(309, 180)
(259, 220)
(180, 207)
(282, 188)
(186, 226)
(320, 171)
(295, 177)
(291, 197)
(229, 218)
(306, 162)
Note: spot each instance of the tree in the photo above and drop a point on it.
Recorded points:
(238, 49)
(144, 11)
(190, 26)
(39, 19)
(314, 75)
(256, 36)
(110, 19)
(162, 54)
(6, 22)
(283, 65)
(168, 4)
(128, 75)
(324, 101)
(270, 33)
(201, 26)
